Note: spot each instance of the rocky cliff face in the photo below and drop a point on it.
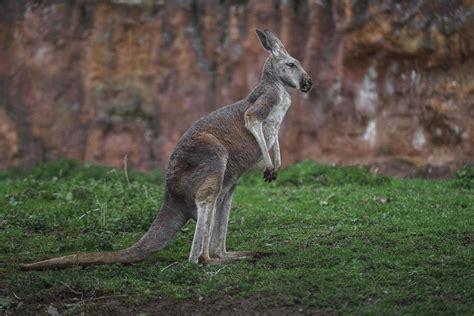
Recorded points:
(99, 80)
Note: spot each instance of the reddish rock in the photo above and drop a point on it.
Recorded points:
(100, 80)
(9, 149)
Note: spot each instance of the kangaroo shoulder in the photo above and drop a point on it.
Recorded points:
(263, 105)
(270, 98)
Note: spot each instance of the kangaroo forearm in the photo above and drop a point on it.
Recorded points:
(258, 134)
(265, 154)
(255, 128)
(276, 154)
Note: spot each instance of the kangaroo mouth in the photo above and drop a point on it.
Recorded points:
(305, 85)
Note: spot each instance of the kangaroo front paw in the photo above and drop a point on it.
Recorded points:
(270, 174)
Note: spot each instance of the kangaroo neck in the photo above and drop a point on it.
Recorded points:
(268, 84)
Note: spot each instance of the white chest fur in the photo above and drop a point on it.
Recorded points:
(272, 123)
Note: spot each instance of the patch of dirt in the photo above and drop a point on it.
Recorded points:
(407, 169)
(164, 306)
(468, 239)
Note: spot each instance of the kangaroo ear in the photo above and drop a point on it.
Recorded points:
(264, 40)
(271, 42)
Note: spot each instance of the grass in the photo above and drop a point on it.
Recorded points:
(343, 240)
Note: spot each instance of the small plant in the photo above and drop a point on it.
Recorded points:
(464, 177)
(315, 174)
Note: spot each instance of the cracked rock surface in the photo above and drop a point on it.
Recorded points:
(96, 81)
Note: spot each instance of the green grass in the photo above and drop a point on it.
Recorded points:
(342, 240)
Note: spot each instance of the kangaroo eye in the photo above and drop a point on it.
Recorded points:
(291, 65)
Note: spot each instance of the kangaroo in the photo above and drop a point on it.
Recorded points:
(209, 159)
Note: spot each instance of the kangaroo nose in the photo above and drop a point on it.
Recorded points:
(306, 85)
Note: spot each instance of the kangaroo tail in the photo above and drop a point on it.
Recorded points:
(163, 228)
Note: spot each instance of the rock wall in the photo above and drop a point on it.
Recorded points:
(99, 80)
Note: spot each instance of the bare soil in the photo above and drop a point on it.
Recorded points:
(162, 306)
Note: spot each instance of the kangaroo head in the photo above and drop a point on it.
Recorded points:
(281, 66)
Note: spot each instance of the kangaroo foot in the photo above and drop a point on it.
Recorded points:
(231, 256)
(239, 255)
(242, 254)
(207, 260)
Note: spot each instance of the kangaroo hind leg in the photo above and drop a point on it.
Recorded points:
(219, 232)
(206, 200)
(206, 179)
(218, 249)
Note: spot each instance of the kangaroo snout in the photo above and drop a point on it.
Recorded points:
(306, 84)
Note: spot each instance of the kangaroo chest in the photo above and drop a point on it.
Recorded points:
(272, 123)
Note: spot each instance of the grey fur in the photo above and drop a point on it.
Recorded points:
(208, 161)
